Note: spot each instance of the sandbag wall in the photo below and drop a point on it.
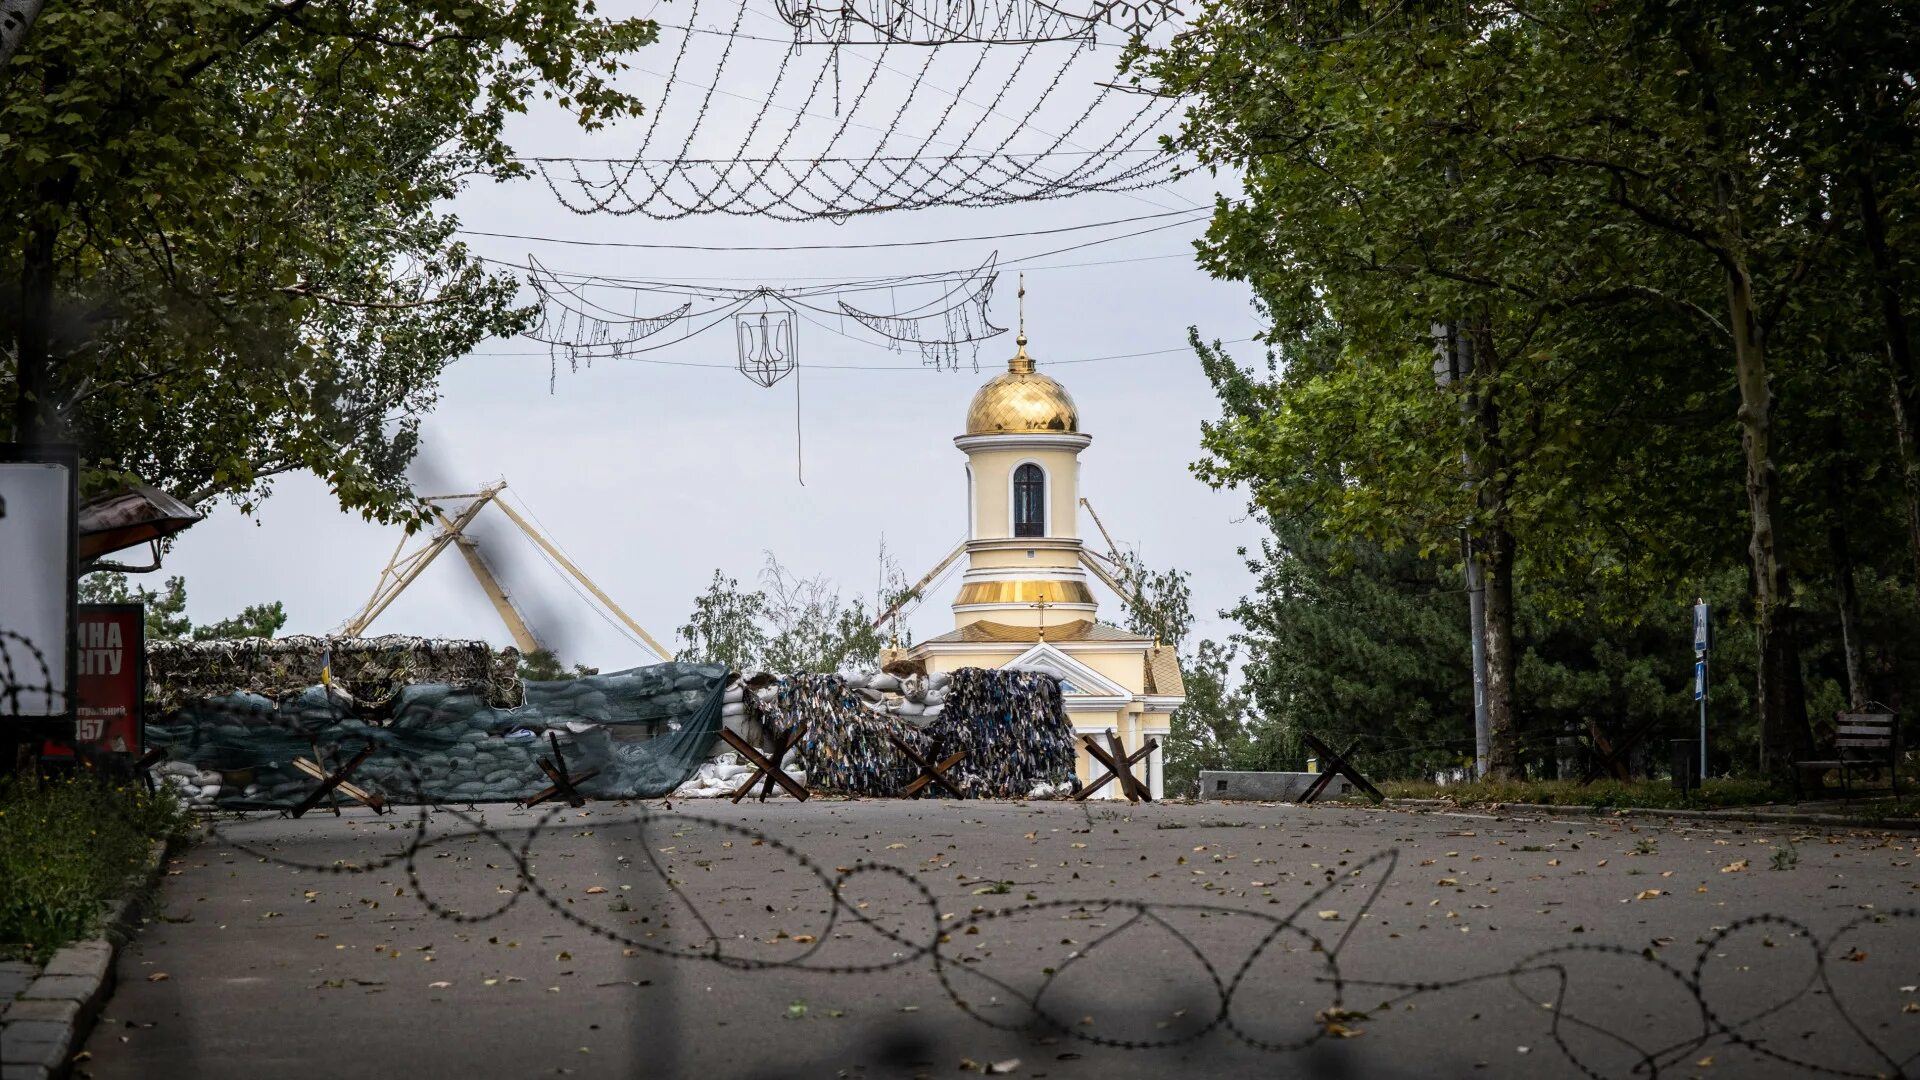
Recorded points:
(646, 730)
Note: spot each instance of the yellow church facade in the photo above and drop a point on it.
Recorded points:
(1026, 600)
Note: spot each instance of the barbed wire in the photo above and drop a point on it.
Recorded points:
(1244, 955)
(1259, 950)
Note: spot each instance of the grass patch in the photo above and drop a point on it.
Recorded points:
(67, 846)
(1601, 794)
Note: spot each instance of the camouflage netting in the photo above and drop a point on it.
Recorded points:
(371, 671)
(646, 729)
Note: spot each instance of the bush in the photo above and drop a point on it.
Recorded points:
(67, 846)
(1601, 794)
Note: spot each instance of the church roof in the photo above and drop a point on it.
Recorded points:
(984, 632)
(1163, 672)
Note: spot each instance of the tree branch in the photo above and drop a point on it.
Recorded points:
(305, 289)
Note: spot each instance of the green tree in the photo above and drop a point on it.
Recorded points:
(810, 628)
(1212, 729)
(219, 230)
(1158, 602)
(166, 614)
(725, 625)
(1582, 202)
(541, 665)
(790, 624)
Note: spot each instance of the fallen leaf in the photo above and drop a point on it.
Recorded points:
(1002, 1068)
(891, 847)
(438, 985)
(1734, 867)
(1330, 916)
(596, 890)
(804, 939)
(158, 976)
(1647, 894)
(1342, 1031)
(1705, 1062)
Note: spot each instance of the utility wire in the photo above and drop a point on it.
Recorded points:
(855, 367)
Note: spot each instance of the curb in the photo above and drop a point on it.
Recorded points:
(1755, 817)
(46, 1026)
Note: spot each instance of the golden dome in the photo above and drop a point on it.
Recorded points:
(1022, 402)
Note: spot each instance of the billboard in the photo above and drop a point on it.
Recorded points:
(109, 676)
(36, 581)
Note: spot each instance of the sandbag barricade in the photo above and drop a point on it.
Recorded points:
(645, 730)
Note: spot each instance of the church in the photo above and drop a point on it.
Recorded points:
(1025, 600)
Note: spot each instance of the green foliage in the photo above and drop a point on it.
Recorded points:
(790, 624)
(67, 847)
(223, 220)
(1346, 640)
(541, 665)
(725, 625)
(166, 616)
(1600, 795)
(1159, 603)
(1213, 728)
(1590, 196)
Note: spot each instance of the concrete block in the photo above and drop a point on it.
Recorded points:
(45, 1012)
(62, 988)
(15, 976)
(34, 1043)
(89, 959)
(1219, 785)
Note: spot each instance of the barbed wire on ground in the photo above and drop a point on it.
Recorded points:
(1244, 954)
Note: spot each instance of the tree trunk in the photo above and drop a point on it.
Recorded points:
(1839, 495)
(1503, 732)
(1783, 718)
(1905, 380)
(1850, 642)
(1497, 548)
(33, 338)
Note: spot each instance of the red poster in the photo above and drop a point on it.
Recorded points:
(110, 664)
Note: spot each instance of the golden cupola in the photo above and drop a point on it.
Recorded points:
(1023, 443)
(1022, 401)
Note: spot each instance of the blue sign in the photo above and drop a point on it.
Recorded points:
(1702, 636)
(1699, 679)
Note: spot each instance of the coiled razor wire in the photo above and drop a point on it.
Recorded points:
(1238, 1005)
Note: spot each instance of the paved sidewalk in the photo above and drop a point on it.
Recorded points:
(1542, 940)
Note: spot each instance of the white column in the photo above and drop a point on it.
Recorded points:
(1156, 769)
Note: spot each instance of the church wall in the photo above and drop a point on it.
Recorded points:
(1126, 668)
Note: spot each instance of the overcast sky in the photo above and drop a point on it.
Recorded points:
(651, 475)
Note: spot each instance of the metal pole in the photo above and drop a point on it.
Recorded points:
(1703, 719)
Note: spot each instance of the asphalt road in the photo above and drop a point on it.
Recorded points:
(1038, 939)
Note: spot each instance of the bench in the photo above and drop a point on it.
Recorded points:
(1861, 742)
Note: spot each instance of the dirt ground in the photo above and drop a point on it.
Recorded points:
(922, 938)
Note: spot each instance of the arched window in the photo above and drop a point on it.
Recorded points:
(1029, 501)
